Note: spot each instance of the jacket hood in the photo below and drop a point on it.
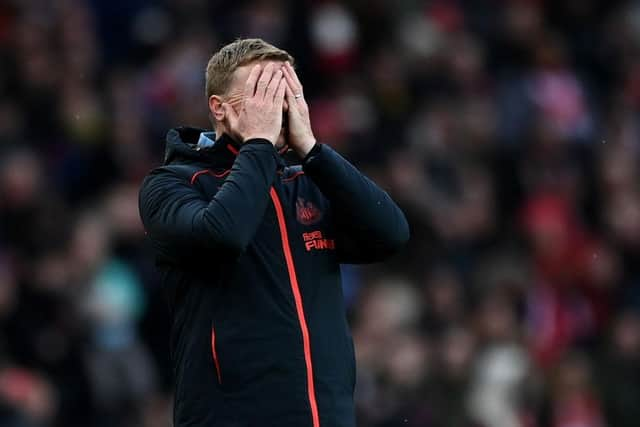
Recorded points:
(182, 146)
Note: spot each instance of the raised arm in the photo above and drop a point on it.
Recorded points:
(370, 225)
(176, 215)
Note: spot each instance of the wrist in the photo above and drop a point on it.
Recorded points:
(311, 154)
(303, 148)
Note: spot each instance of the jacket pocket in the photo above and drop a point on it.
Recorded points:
(214, 354)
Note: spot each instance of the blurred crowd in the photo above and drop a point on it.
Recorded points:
(508, 130)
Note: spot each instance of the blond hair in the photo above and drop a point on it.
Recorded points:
(241, 52)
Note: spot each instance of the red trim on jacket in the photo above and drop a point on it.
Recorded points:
(217, 175)
(215, 354)
(293, 278)
(294, 176)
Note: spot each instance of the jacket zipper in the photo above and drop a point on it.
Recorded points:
(215, 354)
(293, 279)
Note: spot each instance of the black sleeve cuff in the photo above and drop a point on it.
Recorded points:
(311, 154)
(258, 141)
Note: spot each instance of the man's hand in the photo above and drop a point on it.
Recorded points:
(301, 138)
(261, 113)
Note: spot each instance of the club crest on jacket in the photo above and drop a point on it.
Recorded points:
(306, 212)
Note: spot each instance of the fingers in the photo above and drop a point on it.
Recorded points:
(290, 97)
(296, 86)
(293, 86)
(274, 84)
(264, 80)
(250, 85)
(280, 93)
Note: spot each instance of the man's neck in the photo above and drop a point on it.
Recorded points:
(221, 130)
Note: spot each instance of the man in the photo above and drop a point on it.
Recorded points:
(249, 250)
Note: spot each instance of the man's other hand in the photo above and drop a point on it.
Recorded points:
(261, 113)
(301, 138)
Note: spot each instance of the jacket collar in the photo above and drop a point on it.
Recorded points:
(182, 146)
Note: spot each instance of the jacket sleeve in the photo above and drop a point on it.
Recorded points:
(177, 216)
(370, 226)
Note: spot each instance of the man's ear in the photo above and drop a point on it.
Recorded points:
(215, 106)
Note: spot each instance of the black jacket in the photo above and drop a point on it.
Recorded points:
(249, 251)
